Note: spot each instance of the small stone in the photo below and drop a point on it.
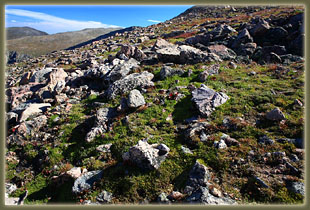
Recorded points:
(75, 172)
(10, 188)
(265, 140)
(186, 150)
(203, 136)
(86, 181)
(146, 156)
(298, 103)
(104, 197)
(275, 115)
(104, 148)
(135, 99)
(220, 145)
(162, 198)
(260, 182)
(294, 158)
(252, 73)
(214, 191)
(175, 196)
(189, 72)
(232, 65)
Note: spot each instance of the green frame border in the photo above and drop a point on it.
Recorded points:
(146, 2)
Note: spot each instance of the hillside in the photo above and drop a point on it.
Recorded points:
(19, 32)
(206, 108)
(39, 45)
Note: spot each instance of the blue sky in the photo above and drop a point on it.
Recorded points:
(54, 19)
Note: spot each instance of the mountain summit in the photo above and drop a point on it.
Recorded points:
(19, 32)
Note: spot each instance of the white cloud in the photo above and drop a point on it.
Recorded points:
(154, 21)
(13, 21)
(53, 24)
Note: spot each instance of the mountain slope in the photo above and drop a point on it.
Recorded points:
(212, 114)
(39, 45)
(19, 32)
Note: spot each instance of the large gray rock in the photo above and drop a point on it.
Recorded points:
(184, 54)
(130, 82)
(199, 176)
(277, 33)
(41, 75)
(161, 43)
(128, 51)
(21, 94)
(147, 156)
(193, 55)
(86, 181)
(222, 51)
(55, 84)
(206, 99)
(200, 38)
(169, 54)
(121, 70)
(97, 73)
(167, 71)
(260, 28)
(222, 31)
(242, 38)
(135, 99)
